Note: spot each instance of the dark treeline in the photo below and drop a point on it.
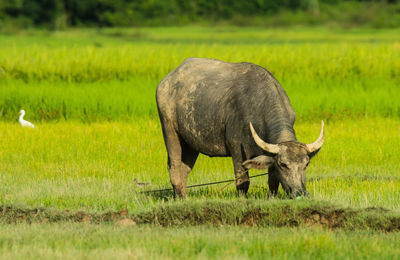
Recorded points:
(59, 14)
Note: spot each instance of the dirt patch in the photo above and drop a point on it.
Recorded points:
(252, 218)
(246, 213)
(125, 222)
(333, 219)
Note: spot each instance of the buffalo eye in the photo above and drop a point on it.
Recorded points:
(283, 165)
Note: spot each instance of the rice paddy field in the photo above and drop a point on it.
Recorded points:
(66, 185)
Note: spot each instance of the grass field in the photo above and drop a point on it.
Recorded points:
(91, 95)
(49, 241)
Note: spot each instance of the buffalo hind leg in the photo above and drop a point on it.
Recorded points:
(179, 169)
(181, 159)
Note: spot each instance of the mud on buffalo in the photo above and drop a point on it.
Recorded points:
(232, 109)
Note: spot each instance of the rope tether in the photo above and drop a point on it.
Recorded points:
(205, 184)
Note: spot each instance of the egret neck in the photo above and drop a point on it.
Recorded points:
(23, 122)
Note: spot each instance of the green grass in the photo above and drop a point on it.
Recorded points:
(92, 166)
(91, 95)
(82, 241)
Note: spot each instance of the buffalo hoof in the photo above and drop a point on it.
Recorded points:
(242, 188)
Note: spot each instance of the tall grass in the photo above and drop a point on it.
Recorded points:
(317, 61)
(152, 53)
(85, 102)
(134, 99)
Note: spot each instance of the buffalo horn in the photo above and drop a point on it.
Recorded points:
(318, 143)
(271, 148)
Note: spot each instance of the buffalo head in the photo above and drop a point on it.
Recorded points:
(287, 161)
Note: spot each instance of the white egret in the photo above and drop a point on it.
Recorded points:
(23, 122)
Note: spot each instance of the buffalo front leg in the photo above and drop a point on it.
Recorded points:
(241, 178)
(273, 181)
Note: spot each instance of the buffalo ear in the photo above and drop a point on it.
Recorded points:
(260, 162)
(312, 154)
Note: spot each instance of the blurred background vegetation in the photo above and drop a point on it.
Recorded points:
(62, 14)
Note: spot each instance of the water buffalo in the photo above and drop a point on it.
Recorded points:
(232, 109)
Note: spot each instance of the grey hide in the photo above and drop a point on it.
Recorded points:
(232, 109)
